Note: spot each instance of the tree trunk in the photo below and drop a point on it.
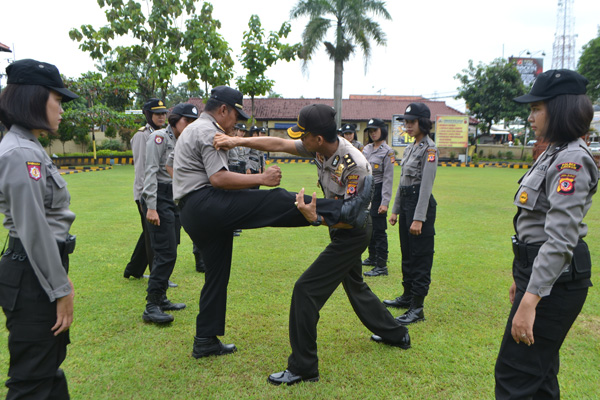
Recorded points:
(338, 81)
(252, 119)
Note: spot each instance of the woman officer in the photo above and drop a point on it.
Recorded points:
(552, 266)
(416, 209)
(381, 157)
(35, 292)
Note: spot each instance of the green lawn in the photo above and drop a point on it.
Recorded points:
(114, 355)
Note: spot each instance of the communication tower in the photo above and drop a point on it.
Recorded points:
(563, 50)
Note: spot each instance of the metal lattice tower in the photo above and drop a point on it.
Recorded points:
(563, 51)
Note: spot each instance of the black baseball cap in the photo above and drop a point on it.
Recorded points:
(314, 118)
(349, 128)
(415, 111)
(185, 110)
(32, 72)
(375, 123)
(156, 106)
(254, 128)
(262, 129)
(554, 82)
(232, 97)
(241, 126)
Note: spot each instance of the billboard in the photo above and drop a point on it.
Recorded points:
(451, 131)
(529, 68)
(399, 135)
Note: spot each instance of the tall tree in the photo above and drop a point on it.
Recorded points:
(182, 93)
(259, 54)
(488, 91)
(353, 27)
(589, 66)
(155, 56)
(209, 56)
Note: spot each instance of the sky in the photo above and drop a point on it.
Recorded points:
(428, 41)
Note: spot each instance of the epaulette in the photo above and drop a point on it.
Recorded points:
(349, 161)
(141, 128)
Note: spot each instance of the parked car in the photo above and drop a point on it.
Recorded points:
(532, 142)
(595, 147)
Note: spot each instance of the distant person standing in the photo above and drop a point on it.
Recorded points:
(162, 215)
(155, 112)
(552, 266)
(36, 293)
(253, 156)
(349, 133)
(382, 160)
(415, 210)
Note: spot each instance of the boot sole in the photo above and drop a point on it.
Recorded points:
(148, 319)
(410, 323)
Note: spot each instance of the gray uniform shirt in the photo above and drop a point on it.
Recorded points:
(553, 198)
(382, 162)
(159, 146)
(195, 158)
(253, 158)
(342, 175)
(35, 202)
(138, 149)
(419, 166)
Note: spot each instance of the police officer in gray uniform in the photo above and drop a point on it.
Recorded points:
(349, 133)
(382, 160)
(161, 213)
(212, 206)
(253, 156)
(415, 211)
(343, 173)
(155, 112)
(36, 293)
(552, 264)
(237, 161)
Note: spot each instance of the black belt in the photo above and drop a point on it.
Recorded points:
(166, 188)
(409, 190)
(15, 247)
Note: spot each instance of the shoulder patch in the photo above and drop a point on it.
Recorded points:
(349, 161)
(568, 165)
(566, 184)
(158, 139)
(335, 161)
(34, 169)
(431, 155)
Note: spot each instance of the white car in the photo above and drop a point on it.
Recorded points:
(531, 143)
(595, 147)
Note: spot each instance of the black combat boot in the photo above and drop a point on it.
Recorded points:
(153, 312)
(379, 270)
(166, 305)
(211, 346)
(414, 313)
(399, 302)
(355, 211)
(369, 261)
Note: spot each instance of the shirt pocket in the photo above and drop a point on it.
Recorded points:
(529, 191)
(57, 195)
(411, 166)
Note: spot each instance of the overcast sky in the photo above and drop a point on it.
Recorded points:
(428, 41)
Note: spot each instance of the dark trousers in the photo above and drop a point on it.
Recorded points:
(164, 239)
(340, 262)
(142, 254)
(378, 246)
(530, 372)
(417, 250)
(210, 215)
(35, 353)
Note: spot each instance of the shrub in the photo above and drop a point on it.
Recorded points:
(509, 155)
(500, 155)
(490, 156)
(110, 144)
(481, 153)
(452, 155)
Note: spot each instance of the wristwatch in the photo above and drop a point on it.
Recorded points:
(318, 222)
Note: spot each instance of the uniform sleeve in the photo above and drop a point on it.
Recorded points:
(155, 147)
(23, 187)
(302, 150)
(396, 207)
(354, 178)
(171, 158)
(388, 178)
(214, 160)
(567, 191)
(138, 149)
(429, 163)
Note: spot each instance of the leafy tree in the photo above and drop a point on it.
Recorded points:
(589, 66)
(489, 90)
(353, 27)
(182, 93)
(154, 58)
(259, 54)
(208, 59)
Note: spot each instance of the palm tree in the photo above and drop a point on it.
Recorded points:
(353, 27)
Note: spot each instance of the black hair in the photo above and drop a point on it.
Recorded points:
(355, 136)
(384, 134)
(568, 117)
(425, 126)
(25, 105)
(331, 136)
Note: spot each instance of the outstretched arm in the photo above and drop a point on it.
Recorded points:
(263, 143)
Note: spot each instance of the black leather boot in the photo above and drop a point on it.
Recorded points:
(414, 313)
(211, 346)
(355, 211)
(166, 305)
(399, 302)
(153, 312)
(379, 270)
(369, 261)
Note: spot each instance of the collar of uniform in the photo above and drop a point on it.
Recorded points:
(340, 151)
(150, 128)
(25, 133)
(169, 131)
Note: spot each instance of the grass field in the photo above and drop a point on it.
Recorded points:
(114, 355)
